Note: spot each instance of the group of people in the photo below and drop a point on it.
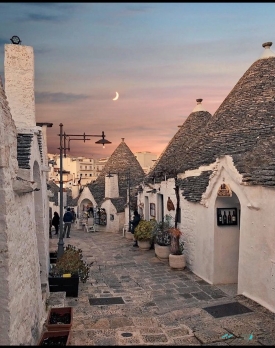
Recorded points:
(68, 218)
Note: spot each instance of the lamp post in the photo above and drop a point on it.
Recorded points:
(62, 148)
(129, 199)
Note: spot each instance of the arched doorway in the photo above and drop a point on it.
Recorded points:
(227, 240)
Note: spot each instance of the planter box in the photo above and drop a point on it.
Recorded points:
(48, 338)
(53, 257)
(54, 314)
(69, 285)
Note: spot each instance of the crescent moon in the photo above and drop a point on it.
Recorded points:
(116, 97)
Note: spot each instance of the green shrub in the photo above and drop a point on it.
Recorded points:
(144, 230)
(71, 262)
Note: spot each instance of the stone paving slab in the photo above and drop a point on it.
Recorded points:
(161, 306)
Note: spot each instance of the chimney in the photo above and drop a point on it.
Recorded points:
(111, 186)
(198, 107)
(267, 51)
(19, 84)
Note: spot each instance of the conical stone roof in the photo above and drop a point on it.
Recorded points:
(120, 162)
(242, 127)
(170, 161)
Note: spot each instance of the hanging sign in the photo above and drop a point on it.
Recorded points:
(224, 191)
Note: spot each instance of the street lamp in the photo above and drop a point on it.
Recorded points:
(63, 147)
(129, 198)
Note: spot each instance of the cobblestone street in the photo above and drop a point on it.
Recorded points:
(156, 305)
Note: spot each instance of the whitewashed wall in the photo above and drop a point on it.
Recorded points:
(24, 212)
(19, 83)
(85, 196)
(243, 254)
(116, 225)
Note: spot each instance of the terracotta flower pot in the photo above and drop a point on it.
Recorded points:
(54, 338)
(57, 318)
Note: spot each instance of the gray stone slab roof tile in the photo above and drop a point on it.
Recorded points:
(242, 127)
(24, 143)
(120, 162)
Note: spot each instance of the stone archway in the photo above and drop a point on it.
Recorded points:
(226, 241)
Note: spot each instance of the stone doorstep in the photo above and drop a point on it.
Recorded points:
(57, 299)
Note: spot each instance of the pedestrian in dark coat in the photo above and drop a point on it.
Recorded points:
(67, 219)
(134, 224)
(55, 221)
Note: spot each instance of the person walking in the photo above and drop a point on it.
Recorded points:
(67, 219)
(134, 224)
(55, 221)
(74, 215)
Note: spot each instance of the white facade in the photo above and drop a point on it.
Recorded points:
(24, 217)
(242, 254)
(146, 159)
(114, 220)
(75, 168)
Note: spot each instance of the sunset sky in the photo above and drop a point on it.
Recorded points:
(159, 57)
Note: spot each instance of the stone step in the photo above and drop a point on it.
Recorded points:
(57, 299)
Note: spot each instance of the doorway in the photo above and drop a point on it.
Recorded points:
(226, 243)
(160, 207)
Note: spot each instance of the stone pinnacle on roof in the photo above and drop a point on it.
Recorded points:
(267, 51)
(198, 107)
(121, 162)
(171, 160)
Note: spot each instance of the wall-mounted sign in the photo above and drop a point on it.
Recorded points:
(224, 191)
(227, 216)
(170, 204)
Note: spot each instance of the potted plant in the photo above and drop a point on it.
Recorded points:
(176, 257)
(144, 234)
(162, 238)
(59, 319)
(55, 338)
(68, 270)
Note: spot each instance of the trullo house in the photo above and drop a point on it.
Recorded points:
(223, 167)
(113, 189)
